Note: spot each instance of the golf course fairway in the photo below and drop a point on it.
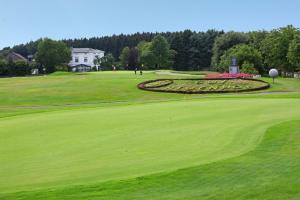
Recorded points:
(86, 146)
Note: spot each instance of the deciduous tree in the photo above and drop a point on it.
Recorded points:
(243, 53)
(225, 42)
(162, 54)
(293, 55)
(51, 53)
(275, 47)
(107, 61)
(124, 57)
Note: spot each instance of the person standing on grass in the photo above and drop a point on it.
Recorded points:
(141, 69)
(135, 69)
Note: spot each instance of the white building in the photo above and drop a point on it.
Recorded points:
(83, 59)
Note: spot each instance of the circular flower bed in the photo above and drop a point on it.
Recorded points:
(157, 83)
(205, 85)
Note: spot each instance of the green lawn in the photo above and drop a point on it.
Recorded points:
(53, 92)
(269, 172)
(118, 142)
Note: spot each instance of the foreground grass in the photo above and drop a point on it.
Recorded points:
(92, 145)
(76, 153)
(269, 172)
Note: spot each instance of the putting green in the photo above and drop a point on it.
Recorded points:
(94, 145)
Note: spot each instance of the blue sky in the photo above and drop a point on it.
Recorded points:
(22, 21)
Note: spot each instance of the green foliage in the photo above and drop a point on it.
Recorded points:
(181, 43)
(124, 57)
(194, 49)
(256, 38)
(293, 55)
(162, 54)
(200, 50)
(52, 54)
(225, 42)
(19, 68)
(152, 55)
(248, 68)
(3, 68)
(62, 67)
(243, 53)
(107, 62)
(276, 45)
(146, 55)
(133, 58)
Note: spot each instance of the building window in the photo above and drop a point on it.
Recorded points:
(85, 59)
(76, 59)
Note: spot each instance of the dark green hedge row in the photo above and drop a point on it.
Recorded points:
(8, 69)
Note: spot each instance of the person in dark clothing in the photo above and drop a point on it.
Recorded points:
(135, 69)
(141, 69)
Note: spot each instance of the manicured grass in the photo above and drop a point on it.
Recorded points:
(269, 172)
(73, 88)
(101, 88)
(88, 88)
(118, 142)
(94, 145)
(284, 84)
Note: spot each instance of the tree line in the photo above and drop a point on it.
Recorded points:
(256, 51)
(193, 49)
(262, 50)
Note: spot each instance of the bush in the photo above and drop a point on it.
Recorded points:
(243, 53)
(62, 68)
(19, 68)
(248, 68)
(3, 68)
(220, 69)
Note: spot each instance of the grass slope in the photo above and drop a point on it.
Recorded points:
(269, 172)
(71, 152)
(17, 95)
(84, 146)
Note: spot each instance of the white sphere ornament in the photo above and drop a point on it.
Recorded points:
(273, 73)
